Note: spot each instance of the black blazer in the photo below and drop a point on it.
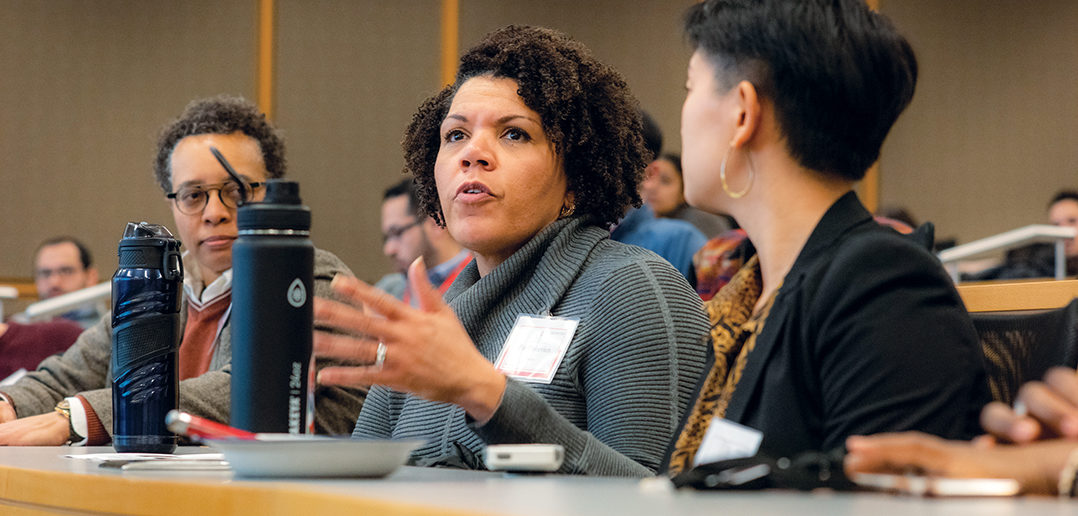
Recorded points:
(867, 335)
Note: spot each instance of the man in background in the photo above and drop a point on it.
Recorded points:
(406, 237)
(63, 265)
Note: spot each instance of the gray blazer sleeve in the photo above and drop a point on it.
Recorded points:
(644, 350)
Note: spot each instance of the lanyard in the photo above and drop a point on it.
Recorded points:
(444, 286)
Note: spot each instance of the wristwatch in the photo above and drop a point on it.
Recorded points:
(64, 408)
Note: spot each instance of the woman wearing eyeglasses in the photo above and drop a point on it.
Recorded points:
(554, 334)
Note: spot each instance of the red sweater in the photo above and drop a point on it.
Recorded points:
(26, 345)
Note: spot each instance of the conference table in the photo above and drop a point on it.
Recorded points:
(41, 480)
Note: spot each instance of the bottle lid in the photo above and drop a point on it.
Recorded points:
(150, 246)
(146, 230)
(281, 210)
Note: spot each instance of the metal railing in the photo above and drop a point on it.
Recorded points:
(68, 302)
(1033, 234)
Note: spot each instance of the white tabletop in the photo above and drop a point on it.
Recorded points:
(40, 477)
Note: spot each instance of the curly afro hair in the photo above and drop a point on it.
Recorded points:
(222, 114)
(585, 107)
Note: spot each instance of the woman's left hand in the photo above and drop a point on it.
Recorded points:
(427, 350)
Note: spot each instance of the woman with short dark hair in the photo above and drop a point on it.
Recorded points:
(835, 325)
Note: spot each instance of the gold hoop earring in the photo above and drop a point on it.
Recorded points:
(567, 209)
(722, 176)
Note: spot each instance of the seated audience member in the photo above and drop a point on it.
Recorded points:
(1036, 443)
(674, 240)
(835, 325)
(1038, 260)
(63, 265)
(527, 159)
(24, 346)
(897, 213)
(721, 257)
(664, 191)
(1063, 211)
(203, 200)
(408, 235)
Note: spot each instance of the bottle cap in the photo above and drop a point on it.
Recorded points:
(281, 212)
(150, 246)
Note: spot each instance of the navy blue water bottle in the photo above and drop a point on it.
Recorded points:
(146, 297)
(272, 313)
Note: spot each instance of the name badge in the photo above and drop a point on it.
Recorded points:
(726, 440)
(535, 347)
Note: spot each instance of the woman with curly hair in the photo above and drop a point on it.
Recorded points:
(527, 159)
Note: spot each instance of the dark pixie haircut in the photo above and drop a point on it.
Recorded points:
(837, 73)
(586, 110)
(405, 187)
(84, 252)
(1064, 195)
(222, 114)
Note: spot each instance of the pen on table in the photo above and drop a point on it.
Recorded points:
(200, 428)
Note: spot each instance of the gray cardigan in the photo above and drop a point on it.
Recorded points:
(623, 384)
(84, 369)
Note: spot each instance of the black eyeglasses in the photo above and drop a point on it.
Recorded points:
(191, 200)
(396, 232)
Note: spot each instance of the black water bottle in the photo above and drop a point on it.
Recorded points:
(145, 338)
(272, 313)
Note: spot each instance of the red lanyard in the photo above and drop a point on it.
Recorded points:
(445, 283)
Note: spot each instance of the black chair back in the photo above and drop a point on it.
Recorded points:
(1021, 346)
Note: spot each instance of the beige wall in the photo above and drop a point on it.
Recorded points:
(990, 135)
(84, 88)
(992, 132)
(350, 74)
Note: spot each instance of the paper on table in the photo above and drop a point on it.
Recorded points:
(101, 457)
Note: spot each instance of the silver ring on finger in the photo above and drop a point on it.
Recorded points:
(380, 355)
(1020, 409)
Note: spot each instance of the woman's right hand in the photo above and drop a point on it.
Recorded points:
(425, 351)
(1043, 410)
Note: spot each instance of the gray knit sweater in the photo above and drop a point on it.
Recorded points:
(627, 377)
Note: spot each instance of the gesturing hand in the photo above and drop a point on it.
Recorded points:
(427, 351)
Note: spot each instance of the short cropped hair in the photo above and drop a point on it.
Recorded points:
(405, 187)
(837, 73)
(585, 107)
(222, 114)
(1064, 195)
(84, 252)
